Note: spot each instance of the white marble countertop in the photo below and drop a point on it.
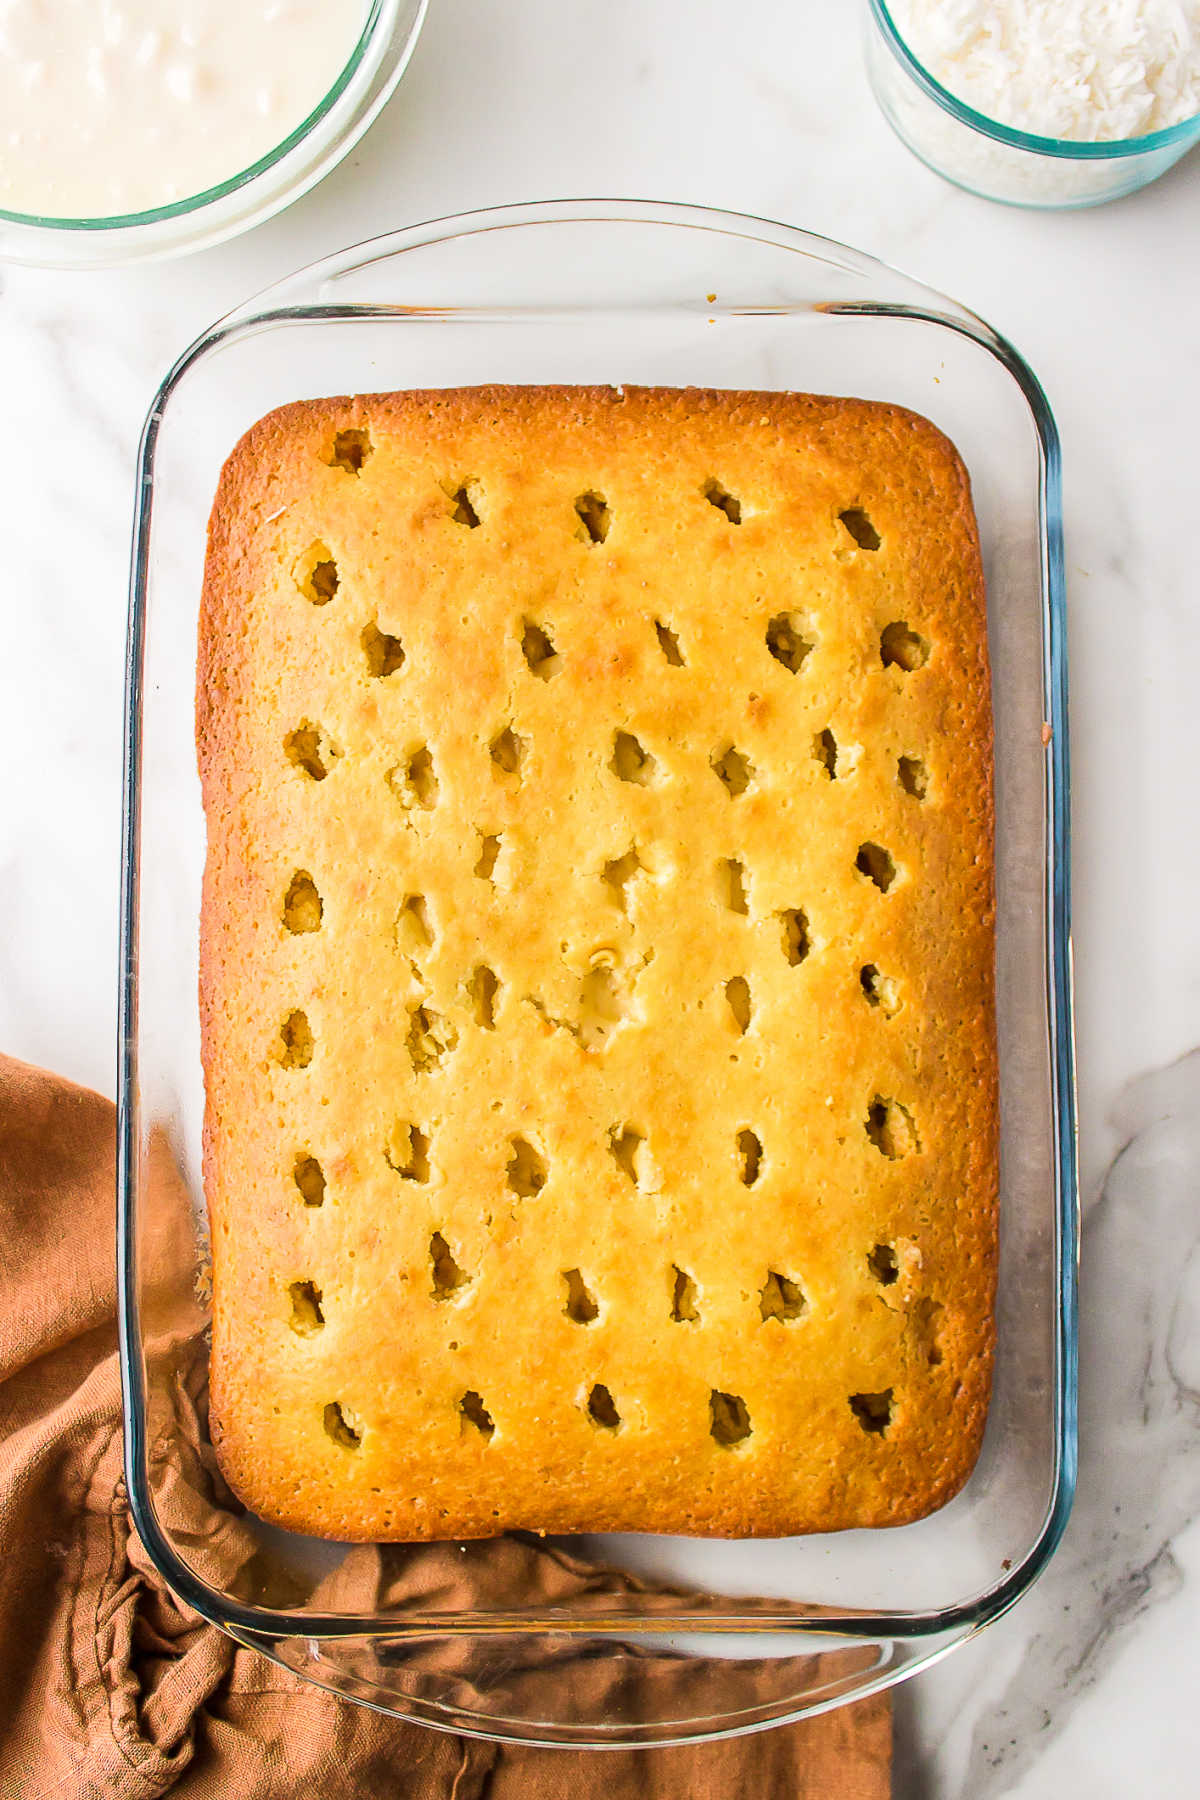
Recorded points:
(1090, 1683)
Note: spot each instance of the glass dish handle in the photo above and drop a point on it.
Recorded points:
(799, 272)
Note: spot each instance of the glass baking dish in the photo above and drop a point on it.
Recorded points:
(356, 95)
(638, 1639)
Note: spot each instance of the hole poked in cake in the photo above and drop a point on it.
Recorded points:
(483, 985)
(877, 864)
(733, 770)
(797, 937)
(749, 1153)
(685, 1309)
(351, 448)
(737, 993)
(884, 1264)
(475, 1415)
(782, 1298)
(302, 908)
(465, 499)
(489, 850)
(719, 496)
(789, 642)
(731, 885)
(606, 999)
(625, 1145)
(902, 648)
(603, 1004)
(307, 1316)
(860, 528)
(414, 928)
(880, 990)
(873, 1411)
(309, 1178)
(431, 1037)
(618, 873)
(296, 1041)
(384, 653)
(668, 643)
(308, 749)
(913, 776)
(526, 1169)
(317, 574)
(631, 761)
(581, 1306)
(507, 751)
(728, 1419)
(825, 751)
(448, 1276)
(343, 1425)
(601, 1408)
(891, 1128)
(414, 781)
(407, 1151)
(594, 517)
(538, 650)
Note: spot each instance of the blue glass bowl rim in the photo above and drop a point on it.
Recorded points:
(257, 1624)
(1172, 137)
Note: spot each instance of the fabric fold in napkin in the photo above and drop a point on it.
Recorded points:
(110, 1689)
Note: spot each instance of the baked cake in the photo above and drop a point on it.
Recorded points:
(597, 964)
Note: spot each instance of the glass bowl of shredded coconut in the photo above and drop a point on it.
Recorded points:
(1052, 103)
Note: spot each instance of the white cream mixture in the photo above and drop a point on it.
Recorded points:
(116, 106)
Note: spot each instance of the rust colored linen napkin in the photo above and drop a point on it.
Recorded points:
(110, 1689)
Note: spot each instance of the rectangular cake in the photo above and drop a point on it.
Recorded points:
(597, 964)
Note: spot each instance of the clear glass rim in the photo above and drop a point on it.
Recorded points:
(295, 299)
(1067, 149)
(179, 209)
(461, 1721)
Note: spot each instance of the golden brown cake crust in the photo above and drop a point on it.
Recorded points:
(596, 964)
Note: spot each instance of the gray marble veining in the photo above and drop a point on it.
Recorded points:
(1139, 1470)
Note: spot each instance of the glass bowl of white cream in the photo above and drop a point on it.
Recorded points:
(133, 129)
(1043, 103)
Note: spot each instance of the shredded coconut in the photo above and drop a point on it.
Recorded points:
(1089, 70)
